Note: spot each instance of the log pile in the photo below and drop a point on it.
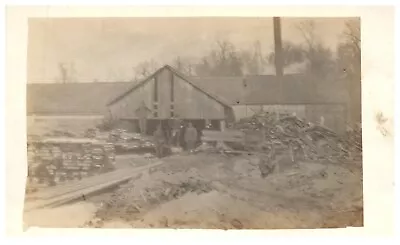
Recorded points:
(305, 140)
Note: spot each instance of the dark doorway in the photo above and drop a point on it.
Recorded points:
(200, 125)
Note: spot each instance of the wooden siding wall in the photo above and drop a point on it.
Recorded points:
(191, 103)
(126, 107)
(164, 98)
(242, 111)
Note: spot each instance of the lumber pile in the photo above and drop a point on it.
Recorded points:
(304, 140)
(67, 159)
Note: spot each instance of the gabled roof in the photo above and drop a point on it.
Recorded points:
(197, 86)
(72, 98)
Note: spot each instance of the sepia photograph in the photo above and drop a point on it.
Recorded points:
(194, 122)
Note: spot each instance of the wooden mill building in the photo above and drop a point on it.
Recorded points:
(167, 93)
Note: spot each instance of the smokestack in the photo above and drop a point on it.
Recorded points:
(278, 47)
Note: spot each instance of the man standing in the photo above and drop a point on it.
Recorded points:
(159, 139)
(142, 113)
(190, 137)
(176, 128)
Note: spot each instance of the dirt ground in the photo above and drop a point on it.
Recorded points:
(222, 192)
(70, 216)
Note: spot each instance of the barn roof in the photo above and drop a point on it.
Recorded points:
(266, 89)
(72, 98)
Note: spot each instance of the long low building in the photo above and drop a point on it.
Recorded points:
(167, 93)
(73, 106)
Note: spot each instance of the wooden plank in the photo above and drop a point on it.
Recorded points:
(66, 185)
(75, 195)
(227, 135)
(88, 182)
(227, 132)
(76, 185)
(71, 196)
(91, 181)
(55, 140)
(227, 139)
(86, 192)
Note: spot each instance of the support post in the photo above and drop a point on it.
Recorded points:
(222, 125)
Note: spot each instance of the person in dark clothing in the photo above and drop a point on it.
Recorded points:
(175, 134)
(190, 137)
(159, 140)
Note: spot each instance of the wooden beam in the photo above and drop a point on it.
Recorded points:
(222, 125)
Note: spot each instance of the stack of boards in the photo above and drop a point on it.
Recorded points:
(73, 191)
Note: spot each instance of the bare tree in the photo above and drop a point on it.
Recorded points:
(349, 65)
(178, 64)
(203, 68)
(317, 55)
(307, 30)
(253, 60)
(349, 51)
(352, 34)
(145, 69)
(223, 60)
(67, 72)
(63, 72)
(183, 65)
(292, 54)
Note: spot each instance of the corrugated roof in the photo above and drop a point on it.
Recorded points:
(72, 98)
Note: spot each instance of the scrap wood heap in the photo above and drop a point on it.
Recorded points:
(305, 139)
(149, 190)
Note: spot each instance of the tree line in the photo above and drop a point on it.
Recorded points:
(225, 59)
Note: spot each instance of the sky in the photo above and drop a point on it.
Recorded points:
(107, 49)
